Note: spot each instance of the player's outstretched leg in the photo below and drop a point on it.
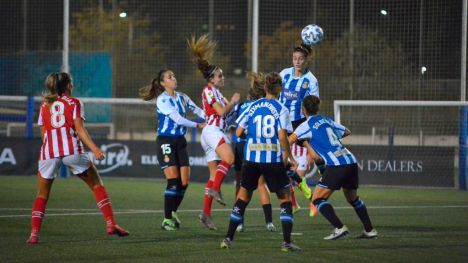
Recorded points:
(326, 209)
(361, 211)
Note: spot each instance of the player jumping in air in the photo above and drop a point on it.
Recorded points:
(298, 82)
(218, 111)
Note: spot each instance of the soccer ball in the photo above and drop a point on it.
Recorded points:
(312, 35)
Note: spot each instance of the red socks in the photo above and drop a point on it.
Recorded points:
(38, 212)
(293, 196)
(207, 199)
(104, 203)
(222, 170)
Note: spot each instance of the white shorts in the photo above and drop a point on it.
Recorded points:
(300, 155)
(77, 163)
(210, 138)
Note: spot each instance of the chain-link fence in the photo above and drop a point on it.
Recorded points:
(404, 50)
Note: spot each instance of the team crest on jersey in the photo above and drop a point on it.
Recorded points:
(166, 158)
(209, 93)
(305, 84)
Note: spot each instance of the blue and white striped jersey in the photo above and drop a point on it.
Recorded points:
(263, 120)
(172, 111)
(240, 110)
(324, 135)
(295, 89)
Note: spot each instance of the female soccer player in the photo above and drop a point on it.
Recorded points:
(218, 111)
(171, 144)
(298, 82)
(61, 118)
(341, 170)
(267, 151)
(256, 92)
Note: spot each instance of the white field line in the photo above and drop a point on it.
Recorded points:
(80, 212)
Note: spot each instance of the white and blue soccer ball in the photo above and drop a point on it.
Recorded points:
(312, 35)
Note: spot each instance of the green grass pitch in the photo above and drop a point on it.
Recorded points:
(415, 225)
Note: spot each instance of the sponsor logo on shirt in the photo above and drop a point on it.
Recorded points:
(291, 95)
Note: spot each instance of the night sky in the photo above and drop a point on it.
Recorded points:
(441, 28)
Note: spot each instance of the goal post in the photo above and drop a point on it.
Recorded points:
(408, 123)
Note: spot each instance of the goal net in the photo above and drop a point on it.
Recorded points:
(406, 143)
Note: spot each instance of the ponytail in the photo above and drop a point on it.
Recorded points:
(151, 91)
(202, 50)
(56, 84)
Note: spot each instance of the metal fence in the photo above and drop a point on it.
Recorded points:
(388, 49)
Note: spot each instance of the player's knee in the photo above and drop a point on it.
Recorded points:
(319, 202)
(171, 187)
(229, 159)
(356, 203)
(283, 194)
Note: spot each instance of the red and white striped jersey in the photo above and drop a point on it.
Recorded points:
(211, 95)
(60, 137)
(298, 150)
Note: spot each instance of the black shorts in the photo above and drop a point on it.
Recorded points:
(274, 174)
(335, 177)
(239, 155)
(172, 151)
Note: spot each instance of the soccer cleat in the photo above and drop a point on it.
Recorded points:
(226, 243)
(296, 209)
(117, 230)
(216, 196)
(290, 247)
(176, 219)
(33, 239)
(369, 235)
(270, 227)
(206, 220)
(305, 189)
(168, 224)
(337, 233)
(313, 210)
(240, 228)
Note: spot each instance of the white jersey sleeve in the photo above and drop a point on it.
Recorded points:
(339, 129)
(313, 86)
(243, 119)
(285, 120)
(303, 132)
(192, 106)
(179, 120)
